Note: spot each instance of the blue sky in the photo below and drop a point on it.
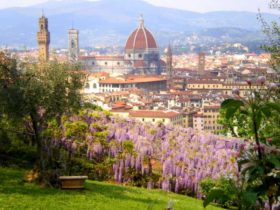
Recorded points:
(192, 5)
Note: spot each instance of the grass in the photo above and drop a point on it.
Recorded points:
(16, 194)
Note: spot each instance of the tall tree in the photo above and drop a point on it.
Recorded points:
(38, 92)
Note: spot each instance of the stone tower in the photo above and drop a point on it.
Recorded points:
(201, 63)
(43, 37)
(169, 68)
(73, 49)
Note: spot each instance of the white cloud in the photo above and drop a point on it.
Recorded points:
(215, 5)
(18, 3)
(192, 5)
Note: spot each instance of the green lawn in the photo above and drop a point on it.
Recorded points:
(15, 194)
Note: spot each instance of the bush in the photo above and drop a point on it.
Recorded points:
(222, 191)
(206, 185)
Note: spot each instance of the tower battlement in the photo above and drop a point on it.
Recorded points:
(43, 39)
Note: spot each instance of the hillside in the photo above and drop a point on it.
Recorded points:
(15, 194)
(110, 22)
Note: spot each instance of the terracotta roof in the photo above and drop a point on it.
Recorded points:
(204, 82)
(103, 57)
(212, 107)
(182, 93)
(119, 93)
(98, 74)
(121, 109)
(154, 113)
(254, 83)
(120, 103)
(141, 38)
(114, 80)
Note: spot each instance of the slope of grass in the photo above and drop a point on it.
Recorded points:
(16, 194)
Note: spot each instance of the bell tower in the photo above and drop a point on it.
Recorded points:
(43, 37)
(169, 67)
(73, 48)
(201, 63)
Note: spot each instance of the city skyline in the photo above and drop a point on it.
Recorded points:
(201, 6)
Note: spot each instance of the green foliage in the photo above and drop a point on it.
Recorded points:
(223, 191)
(32, 95)
(16, 147)
(254, 112)
(128, 147)
(248, 200)
(227, 193)
(257, 163)
(134, 178)
(101, 171)
(76, 130)
(91, 106)
(231, 106)
(256, 117)
(262, 177)
(217, 195)
(206, 185)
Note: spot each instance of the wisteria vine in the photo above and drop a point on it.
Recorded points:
(182, 156)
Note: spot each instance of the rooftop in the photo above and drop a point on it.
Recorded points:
(154, 113)
(131, 80)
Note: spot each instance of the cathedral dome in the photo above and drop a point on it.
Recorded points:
(141, 38)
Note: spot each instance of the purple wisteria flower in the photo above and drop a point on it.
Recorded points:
(182, 155)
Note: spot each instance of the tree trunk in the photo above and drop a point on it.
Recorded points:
(150, 167)
(69, 163)
(36, 130)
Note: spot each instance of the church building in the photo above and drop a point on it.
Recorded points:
(141, 56)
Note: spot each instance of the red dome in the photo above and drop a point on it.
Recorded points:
(141, 38)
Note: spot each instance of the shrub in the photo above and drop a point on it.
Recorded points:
(223, 191)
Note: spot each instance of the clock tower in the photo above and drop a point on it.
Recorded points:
(43, 37)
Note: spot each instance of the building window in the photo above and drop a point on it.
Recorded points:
(94, 86)
(140, 55)
(106, 63)
(129, 55)
(87, 85)
(93, 63)
(153, 120)
(118, 63)
(143, 119)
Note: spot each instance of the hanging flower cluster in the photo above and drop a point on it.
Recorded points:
(182, 156)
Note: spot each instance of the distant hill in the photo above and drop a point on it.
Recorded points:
(110, 22)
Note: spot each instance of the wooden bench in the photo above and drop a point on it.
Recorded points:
(72, 182)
